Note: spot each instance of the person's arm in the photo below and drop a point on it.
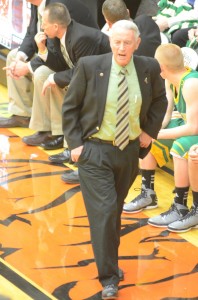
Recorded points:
(28, 45)
(193, 153)
(193, 34)
(40, 39)
(71, 108)
(157, 107)
(186, 15)
(152, 121)
(169, 96)
(18, 69)
(190, 92)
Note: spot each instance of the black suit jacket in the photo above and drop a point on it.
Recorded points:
(80, 41)
(150, 35)
(78, 12)
(84, 103)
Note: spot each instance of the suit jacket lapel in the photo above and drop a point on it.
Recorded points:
(69, 33)
(102, 74)
(143, 77)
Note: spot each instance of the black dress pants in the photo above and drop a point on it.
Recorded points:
(180, 37)
(106, 174)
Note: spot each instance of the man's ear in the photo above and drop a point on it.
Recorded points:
(128, 12)
(138, 42)
(162, 67)
(55, 26)
(108, 23)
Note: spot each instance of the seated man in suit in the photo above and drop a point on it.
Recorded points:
(114, 10)
(53, 70)
(20, 89)
(176, 139)
(133, 7)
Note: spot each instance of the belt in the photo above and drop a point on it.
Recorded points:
(97, 140)
(101, 141)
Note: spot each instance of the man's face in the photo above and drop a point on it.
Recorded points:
(50, 29)
(123, 44)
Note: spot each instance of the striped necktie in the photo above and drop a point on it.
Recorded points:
(122, 120)
(39, 23)
(66, 56)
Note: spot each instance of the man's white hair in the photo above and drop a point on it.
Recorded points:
(126, 24)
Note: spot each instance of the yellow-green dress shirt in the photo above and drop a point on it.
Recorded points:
(107, 129)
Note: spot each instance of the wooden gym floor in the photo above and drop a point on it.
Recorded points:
(45, 247)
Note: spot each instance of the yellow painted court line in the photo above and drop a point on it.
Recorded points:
(12, 287)
(7, 289)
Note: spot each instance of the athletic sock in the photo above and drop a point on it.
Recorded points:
(195, 198)
(181, 195)
(148, 177)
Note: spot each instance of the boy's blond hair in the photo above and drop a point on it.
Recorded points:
(171, 56)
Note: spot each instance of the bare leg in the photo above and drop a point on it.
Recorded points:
(181, 172)
(148, 163)
(193, 168)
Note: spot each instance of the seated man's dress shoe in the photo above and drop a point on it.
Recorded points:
(37, 138)
(121, 274)
(61, 158)
(14, 121)
(71, 177)
(110, 292)
(53, 143)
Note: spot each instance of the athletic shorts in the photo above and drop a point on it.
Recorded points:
(163, 150)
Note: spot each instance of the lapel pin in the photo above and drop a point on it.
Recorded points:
(101, 74)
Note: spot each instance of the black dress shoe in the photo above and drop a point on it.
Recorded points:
(121, 274)
(53, 143)
(14, 121)
(71, 177)
(61, 158)
(110, 292)
(37, 138)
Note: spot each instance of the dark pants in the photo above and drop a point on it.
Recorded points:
(180, 37)
(106, 174)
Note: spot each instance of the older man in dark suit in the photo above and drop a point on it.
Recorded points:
(114, 10)
(114, 106)
(20, 90)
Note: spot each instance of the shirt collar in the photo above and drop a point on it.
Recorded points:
(128, 67)
(62, 40)
(41, 7)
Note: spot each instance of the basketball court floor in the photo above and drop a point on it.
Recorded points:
(45, 246)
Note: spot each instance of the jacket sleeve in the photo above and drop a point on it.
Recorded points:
(55, 60)
(83, 47)
(71, 109)
(28, 45)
